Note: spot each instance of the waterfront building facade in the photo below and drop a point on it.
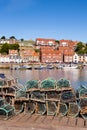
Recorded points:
(45, 51)
(30, 55)
(4, 58)
(52, 51)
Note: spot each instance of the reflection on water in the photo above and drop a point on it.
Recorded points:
(76, 76)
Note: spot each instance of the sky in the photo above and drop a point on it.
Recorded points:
(55, 19)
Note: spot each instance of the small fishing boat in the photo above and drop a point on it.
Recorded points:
(50, 66)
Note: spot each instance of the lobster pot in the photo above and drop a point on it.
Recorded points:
(83, 107)
(83, 103)
(31, 84)
(37, 95)
(68, 96)
(19, 107)
(6, 111)
(63, 109)
(73, 110)
(21, 94)
(40, 108)
(30, 107)
(83, 113)
(53, 95)
(8, 99)
(48, 84)
(63, 83)
(83, 93)
(51, 107)
(2, 101)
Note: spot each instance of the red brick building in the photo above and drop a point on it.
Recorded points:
(50, 54)
(67, 47)
(30, 55)
(56, 52)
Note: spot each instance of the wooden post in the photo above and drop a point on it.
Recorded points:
(25, 106)
(13, 101)
(58, 108)
(47, 107)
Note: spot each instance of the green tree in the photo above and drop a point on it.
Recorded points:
(85, 49)
(14, 46)
(12, 37)
(22, 39)
(3, 37)
(4, 49)
(80, 49)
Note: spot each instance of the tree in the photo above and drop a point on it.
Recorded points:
(12, 37)
(5, 49)
(22, 39)
(14, 46)
(80, 49)
(3, 37)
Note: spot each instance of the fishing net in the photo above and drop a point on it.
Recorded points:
(67, 96)
(32, 84)
(37, 95)
(1, 102)
(83, 93)
(30, 107)
(62, 109)
(79, 89)
(40, 108)
(21, 94)
(51, 107)
(53, 95)
(63, 83)
(73, 109)
(19, 107)
(48, 83)
(83, 107)
(6, 109)
(83, 102)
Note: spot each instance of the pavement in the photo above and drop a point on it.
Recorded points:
(38, 122)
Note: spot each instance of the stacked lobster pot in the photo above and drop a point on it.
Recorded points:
(20, 99)
(82, 95)
(36, 103)
(6, 110)
(51, 97)
(68, 104)
(48, 86)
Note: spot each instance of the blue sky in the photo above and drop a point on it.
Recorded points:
(58, 19)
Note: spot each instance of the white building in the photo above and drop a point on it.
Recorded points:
(76, 58)
(4, 59)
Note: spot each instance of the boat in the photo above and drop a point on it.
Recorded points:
(69, 66)
(50, 66)
(25, 67)
(39, 67)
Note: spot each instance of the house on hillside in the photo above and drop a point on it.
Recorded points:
(14, 56)
(45, 42)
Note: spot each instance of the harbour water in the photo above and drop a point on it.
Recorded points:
(77, 77)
